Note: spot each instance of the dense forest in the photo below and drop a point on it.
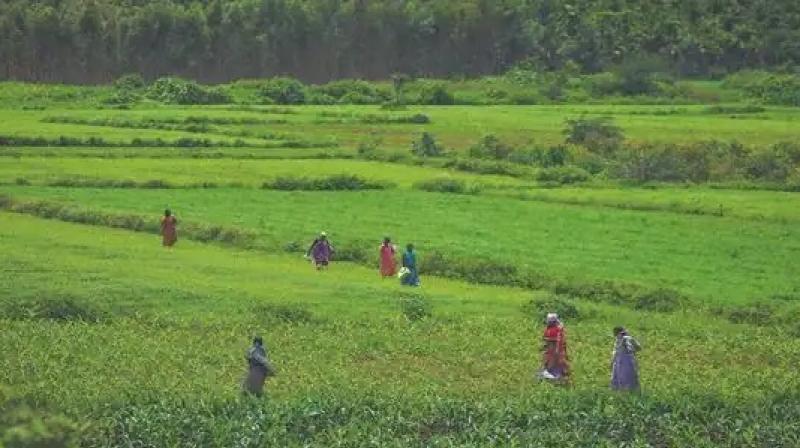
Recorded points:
(90, 41)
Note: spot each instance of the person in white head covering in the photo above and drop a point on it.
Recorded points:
(321, 251)
(555, 358)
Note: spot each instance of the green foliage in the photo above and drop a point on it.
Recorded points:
(22, 426)
(331, 183)
(434, 93)
(562, 175)
(490, 147)
(447, 185)
(414, 306)
(539, 307)
(130, 82)
(291, 314)
(636, 75)
(283, 90)
(773, 88)
(353, 91)
(181, 91)
(53, 308)
(426, 146)
(599, 135)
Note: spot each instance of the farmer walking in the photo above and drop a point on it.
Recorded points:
(321, 251)
(556, 360)
(259, 368)
(410, 275)
(624, 368)
(388, 263)
(169, 230)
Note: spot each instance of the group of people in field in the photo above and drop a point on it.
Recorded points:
(555, 359)
(321, 253)
(555, 356)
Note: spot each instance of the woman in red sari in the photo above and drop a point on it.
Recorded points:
(556, 360)
(388, 263)
(169, 230)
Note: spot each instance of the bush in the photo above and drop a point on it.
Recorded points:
(730, 110)
(330, 183)
(599, 135)
(414, 306)
(291, 314)
(562, 175)
(24, 427)
(446, 185)
(180, 91)
(488, 167)
(435, 93)
(283, 90)
(426, 146)
(775, 89)
(762, 314)
(353, 91)
(775, 163)
(663, 163)
(662, 300)
(490, 147)
(637, 74)
(538, 308)
(53, 308)
(130, 82)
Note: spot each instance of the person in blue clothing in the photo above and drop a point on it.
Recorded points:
(411, 277)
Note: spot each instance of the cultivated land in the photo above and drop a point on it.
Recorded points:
(141, 346)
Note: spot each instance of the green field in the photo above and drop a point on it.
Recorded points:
(117, 341)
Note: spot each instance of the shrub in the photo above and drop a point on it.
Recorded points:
(414, 306)
(761, 314)
(426, 146)
(562, 175)
(180, 91)
(130, 82)
(330, 183)
(446, 185)
(488, 167)
(599, 135)
(776, 89)
(53, 308)
(353, 91)
(725, 110)
(636, 74)
(435, 93)
(283, 90)
(320, 99)
(663, 163)
(564, 306)
(490, 147)
(662, 300)
(291, 314)
(774, 163)
(24, 427)
(602, 84)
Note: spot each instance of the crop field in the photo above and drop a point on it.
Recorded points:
(114, 340)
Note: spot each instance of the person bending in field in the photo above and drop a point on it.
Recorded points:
(259, 368)
(388, 264)
(169, 230)
(410, 275)
(624, 368)
(556, 360)
(321, 251)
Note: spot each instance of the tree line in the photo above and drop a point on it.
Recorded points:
(92, 41)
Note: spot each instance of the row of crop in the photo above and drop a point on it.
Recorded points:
(68, 141)
(366, 418)
(203, 125)
(337, 182)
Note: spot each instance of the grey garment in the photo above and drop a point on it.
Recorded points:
(624, 367)
(260, 369)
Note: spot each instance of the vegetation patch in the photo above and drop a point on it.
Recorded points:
(538, 308)
(62, 308)
(339, 182)
(291, 314)
(447, 185)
